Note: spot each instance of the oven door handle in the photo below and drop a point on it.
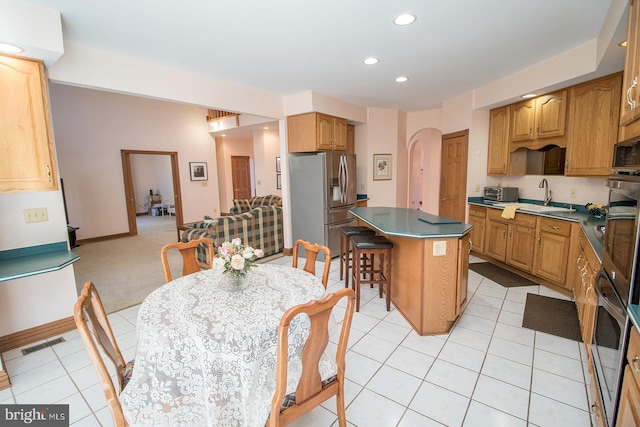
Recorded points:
(620, 316)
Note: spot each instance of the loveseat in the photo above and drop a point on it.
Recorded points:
(256, 221)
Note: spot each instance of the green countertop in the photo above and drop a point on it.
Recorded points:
(634, 315)
(587, 222)
(410, 223)
(24, 262)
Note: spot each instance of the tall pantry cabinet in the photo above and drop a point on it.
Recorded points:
(26, 141)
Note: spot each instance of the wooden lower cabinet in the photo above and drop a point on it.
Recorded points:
(511, 240)
(520, 242)
(629, 406)
(477, 218)
(552, 251)
(496, 240)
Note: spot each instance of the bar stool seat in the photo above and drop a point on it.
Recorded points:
(346, 232)
(365, 271)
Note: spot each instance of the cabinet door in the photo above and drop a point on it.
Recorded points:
(498, 141)
(630, 89)
(26, 140)
(629, 407)
(325, 133)
(339, 134)
(551, 253)
(463, 273)
(477, 233)
(522, 120)
(519, 247)
(351, 139)
(551, 115)
(496, 240)
(593, 126)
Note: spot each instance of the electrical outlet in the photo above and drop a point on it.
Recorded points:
(439, 248)
(477, 188)
(573, 192)
(35, 215)
(362, 187)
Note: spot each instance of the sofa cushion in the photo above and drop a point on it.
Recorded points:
(240, 206)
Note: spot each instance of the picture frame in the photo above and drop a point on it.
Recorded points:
(278, 181)
(382, 167)
(278, 170)
(198, 171)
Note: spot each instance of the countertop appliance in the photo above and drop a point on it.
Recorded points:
(617, 284)
(501, 194)
(323, 189)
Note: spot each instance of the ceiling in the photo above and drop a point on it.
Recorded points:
(286, 47)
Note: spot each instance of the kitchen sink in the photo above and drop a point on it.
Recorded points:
(535, 208)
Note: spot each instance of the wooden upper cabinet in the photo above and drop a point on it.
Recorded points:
(593, 126)
(313, 132)
(351, 139)
(630, 110)
(498, 141)
(539, 119)
(26, 140)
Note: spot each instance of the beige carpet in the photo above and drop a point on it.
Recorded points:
(127, 269)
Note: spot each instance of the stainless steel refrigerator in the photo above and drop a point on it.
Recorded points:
(323, 189)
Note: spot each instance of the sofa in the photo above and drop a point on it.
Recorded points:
(256, 221)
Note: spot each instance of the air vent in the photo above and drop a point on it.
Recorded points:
(34, 348)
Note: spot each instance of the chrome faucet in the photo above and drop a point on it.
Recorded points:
(547, 193)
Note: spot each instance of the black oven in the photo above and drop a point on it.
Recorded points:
(617, 285)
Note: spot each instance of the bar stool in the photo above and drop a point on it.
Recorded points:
(346, 232)
(366, 248)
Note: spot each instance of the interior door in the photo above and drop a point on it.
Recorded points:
(241, 177)
(453, 175)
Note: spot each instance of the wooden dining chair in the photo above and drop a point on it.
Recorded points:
(190, 263)
(95, 330)
(312, 390)
(312, 250)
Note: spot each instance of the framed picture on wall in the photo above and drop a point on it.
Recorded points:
(278, 165)
(198, 171)
(381, 166)
(278, 181)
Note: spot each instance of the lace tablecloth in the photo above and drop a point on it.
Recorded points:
(207, 357)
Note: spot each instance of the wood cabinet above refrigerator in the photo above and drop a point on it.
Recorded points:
(314, 132)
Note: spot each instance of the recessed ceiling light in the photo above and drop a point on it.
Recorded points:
(529, 95)
(405, 19)
(10, 48)
(401, 79)
(371, 61)
(623, 44)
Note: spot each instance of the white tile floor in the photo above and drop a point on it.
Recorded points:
(488, 371)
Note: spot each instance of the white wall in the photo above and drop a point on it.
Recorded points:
(382, 138)
(228, 146)
(266, 147)
(92, 127)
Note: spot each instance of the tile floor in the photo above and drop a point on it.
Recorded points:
(488, 371)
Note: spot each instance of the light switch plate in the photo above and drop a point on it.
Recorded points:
(35, 215)
(440, 248)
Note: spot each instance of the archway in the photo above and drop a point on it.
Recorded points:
(424, 170)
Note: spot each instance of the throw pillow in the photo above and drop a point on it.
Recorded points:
(241, 205)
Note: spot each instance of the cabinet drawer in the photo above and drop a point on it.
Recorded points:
(477, 211)
(555, 226)
(633, 354)
(522, 219)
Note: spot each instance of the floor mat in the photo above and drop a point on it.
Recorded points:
(553, 316)
(500, 275)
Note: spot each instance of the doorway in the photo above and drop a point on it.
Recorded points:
(241, 177)
(453, 175)
(129, 189)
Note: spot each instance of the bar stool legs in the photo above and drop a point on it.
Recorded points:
(374, 248)
(346, 233)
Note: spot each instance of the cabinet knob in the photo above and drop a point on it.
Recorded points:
(48, 173)
(634, 363)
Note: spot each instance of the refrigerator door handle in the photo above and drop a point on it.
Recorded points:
(341, 175)
(346, 178)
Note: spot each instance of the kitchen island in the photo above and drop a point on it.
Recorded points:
(430, 264)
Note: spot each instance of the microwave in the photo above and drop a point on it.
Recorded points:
(501, 194)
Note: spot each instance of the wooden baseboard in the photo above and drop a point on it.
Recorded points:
(102, 238)
(287, 251)
(31, 335)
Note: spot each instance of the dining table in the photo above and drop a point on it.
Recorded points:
(206, 353)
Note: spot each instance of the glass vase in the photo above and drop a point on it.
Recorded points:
(233, 282)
